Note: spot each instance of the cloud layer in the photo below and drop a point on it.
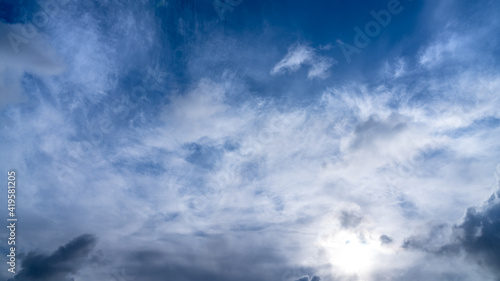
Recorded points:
(193, 147)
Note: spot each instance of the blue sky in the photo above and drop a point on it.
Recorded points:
(252, 140)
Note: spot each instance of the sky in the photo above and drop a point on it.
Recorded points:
(251, 140)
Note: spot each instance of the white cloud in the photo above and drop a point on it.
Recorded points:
(296, 56)
(299, 55)
(452, 47)
(319, 69)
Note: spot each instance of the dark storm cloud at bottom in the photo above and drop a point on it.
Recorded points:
(231, 140)
(66, 260)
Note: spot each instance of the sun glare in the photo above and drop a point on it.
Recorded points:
(352, 252)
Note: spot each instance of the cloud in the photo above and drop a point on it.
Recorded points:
(350, 219)
(320, 67)
(477, 237)
(264, 168)
(216, 257)
(440, 50)
(384, 239)
(461, 37)
(479, 233)
(222, 179)
(429, 239)
(23, 51)
(59, 265)
(300, 55)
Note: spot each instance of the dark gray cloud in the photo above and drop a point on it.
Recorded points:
(350, 219)
(479, 234)
(384, 239)
(66, 260)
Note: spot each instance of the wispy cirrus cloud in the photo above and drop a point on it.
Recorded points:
(299, 55)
